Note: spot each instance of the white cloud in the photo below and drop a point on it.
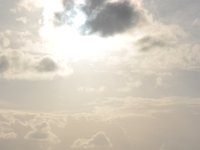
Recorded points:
(118, 123)
(130, 85)
(8, 135)
(91, 89)
(196, 22)
(99, 140)
(30, 5)
(22, 20)
(5, 41)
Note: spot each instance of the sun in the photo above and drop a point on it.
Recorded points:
(67, 43)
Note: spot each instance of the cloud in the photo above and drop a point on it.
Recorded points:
(6, 130)
(99, 140)
(101, 17)
(42, 132)
(5, 41)
(92, 89)
(113, 18)
(47, 65)
(118, 123)
(68, 4)
(8, 135)
(196, 22)
(22, 20)
(4, 64)
(23, 65)
(29, 5)
(33, 129)
(147, 38)
(148, 43)
(93, 5)
(168, 43)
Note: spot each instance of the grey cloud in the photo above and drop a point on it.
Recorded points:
(102, 17)
(68, 3)
(148, 43)
(4, 64)
(47, 65)
(93, 5)
(113, 18)
(58, 18)
(21, 65)
(61, 18)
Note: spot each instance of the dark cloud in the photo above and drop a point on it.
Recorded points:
(112, 18)
(102, 17)
(46, 65)
(92, 6)
(4, 63)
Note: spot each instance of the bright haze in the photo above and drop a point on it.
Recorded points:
(99, 75)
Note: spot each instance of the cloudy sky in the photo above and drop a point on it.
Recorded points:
(99, 74)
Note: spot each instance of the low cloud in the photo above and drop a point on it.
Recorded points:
(47, 65)
(8, 135)
(42, 132)
(99, 140)
(24, 65)
(4, 64)
(22, 20)
(116, 123)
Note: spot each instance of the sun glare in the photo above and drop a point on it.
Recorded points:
(67, 42)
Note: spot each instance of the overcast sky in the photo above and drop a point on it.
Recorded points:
(99, 74)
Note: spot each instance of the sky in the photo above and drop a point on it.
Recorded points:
(99, 74)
